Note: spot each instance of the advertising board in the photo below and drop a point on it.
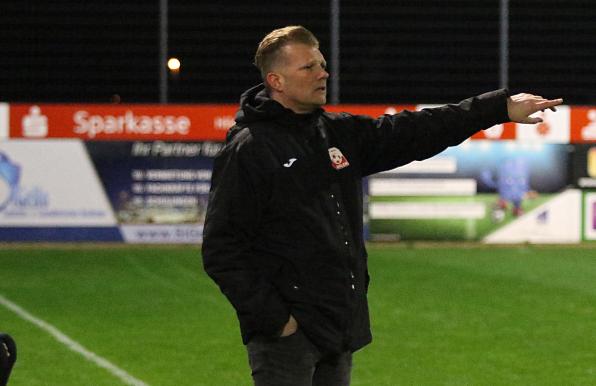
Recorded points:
(158, 190)
(144, 173)
(50, 189)
(121, 122)
(466, 192)
(590, 216)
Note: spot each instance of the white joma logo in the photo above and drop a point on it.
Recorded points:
(290, 162)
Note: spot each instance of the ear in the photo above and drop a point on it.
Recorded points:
(275, 81)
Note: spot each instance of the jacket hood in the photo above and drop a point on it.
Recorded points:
(256, 105)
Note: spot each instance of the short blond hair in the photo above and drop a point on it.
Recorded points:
(269, 48)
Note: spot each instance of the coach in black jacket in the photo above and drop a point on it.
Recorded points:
(283, 234)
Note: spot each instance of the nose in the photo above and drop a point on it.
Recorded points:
(324, 74)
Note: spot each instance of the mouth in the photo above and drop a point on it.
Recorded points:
(322, 88)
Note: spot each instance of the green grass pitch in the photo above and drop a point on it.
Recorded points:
(441, 315)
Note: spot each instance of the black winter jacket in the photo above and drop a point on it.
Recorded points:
(283, 233)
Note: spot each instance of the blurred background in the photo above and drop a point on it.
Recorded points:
(399, 51)
(105, 77)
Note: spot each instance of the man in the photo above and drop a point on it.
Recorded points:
(283, 233)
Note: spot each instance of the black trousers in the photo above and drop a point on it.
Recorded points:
(295, 361)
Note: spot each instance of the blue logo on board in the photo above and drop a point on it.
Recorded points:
(13, 196)
(10, 174)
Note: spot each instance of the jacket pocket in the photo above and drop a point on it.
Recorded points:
(287, 280)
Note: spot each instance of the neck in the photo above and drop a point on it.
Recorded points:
(291, 106)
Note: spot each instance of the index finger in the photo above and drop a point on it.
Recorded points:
(547, 104)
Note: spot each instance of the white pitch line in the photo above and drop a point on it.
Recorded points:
(72, 344)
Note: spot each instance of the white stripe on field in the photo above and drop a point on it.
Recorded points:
(73, 345)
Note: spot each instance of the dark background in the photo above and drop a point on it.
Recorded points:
(431, 51)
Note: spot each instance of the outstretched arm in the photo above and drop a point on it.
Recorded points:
(521, 106)
(394, 140)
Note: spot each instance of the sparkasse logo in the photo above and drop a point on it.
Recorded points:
(129, 123)
(35, 124)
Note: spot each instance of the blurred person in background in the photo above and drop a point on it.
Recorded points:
(283, 234)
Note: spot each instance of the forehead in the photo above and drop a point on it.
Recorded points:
(297, 53)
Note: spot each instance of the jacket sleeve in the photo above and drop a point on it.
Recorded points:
(235, 208)
(394, 140)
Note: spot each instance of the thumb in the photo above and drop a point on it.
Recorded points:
(531, 120)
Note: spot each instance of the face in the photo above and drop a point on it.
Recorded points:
(299, 80)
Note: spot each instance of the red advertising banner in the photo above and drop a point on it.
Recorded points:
(122, 122)
(210, 122)
(583, 124)
(141, 122)
(497, 132)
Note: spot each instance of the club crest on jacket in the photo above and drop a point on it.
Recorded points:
(338, 161)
